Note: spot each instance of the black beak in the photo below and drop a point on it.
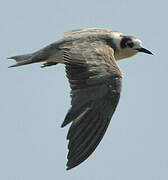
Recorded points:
(144, 50)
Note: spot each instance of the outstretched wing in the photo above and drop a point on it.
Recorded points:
(95, 82)
(88, 31)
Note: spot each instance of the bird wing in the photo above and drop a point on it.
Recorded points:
(88, 31)
(95, 82)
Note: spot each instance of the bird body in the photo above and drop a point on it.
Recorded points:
(90, 57)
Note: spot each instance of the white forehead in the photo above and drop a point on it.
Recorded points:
(137, 42)
(118, 36)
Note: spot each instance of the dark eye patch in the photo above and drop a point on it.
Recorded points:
(125, 41)
(130, 44)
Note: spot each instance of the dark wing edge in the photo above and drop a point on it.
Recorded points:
(95, 95)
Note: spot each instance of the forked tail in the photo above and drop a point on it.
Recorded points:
(23, 60)
(50, 55)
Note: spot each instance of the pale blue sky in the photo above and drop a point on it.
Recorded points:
(34, 101)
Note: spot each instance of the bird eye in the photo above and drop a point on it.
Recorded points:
(126, 42)
(130, 44)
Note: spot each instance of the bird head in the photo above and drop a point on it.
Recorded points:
(128, 46)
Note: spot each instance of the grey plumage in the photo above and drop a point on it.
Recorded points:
(90, 58)
(95, 95)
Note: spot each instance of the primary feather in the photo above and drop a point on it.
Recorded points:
(89, 56)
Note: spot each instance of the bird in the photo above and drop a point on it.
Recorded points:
(90, 57)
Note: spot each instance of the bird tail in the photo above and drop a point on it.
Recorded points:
(29, 59)
(23, 60)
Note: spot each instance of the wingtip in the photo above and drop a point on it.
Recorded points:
(15, 65)
(65, 122)
(67, 119)
(10, 66)
(69, 167)
(63, 125)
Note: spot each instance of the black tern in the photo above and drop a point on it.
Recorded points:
(89, 56)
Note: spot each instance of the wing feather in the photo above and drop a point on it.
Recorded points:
(95, 80)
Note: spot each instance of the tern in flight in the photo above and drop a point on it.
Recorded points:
(90, 57)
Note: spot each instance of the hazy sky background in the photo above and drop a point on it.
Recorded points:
(34, 101)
